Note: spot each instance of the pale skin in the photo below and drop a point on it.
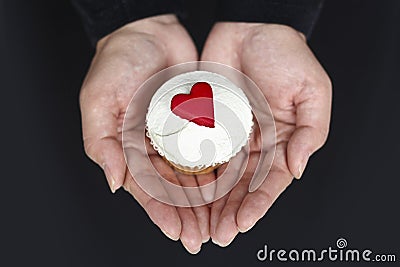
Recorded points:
(275, 57)
(278, 59)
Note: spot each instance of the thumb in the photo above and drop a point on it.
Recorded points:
(313, 109)
(101, 142)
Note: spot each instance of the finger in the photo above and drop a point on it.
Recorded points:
(190, 235)
(217, 206)
(206, 188)
(99, 127)
(257, 203)
(313, 109)
(215, 213)
(227, 228)
(202, 212)
(164, 216)
(229, 175)
(203, 218)
(262, 143)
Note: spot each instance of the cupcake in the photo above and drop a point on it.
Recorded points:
(198, 120)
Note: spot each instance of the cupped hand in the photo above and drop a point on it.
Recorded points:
(123, 61)
(278, 59)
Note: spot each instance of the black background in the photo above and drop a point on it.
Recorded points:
(56, 208)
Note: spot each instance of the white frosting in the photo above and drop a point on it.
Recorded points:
(190, 145)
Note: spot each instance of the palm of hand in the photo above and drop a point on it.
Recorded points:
(123, 61)
(298, 92)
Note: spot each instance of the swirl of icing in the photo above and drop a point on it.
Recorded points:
(187, 144)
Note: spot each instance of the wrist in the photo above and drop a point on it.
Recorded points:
(241, 34)
(273, 31)
(149, 27)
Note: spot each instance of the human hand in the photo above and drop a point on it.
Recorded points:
(298, 90)
(123, 61)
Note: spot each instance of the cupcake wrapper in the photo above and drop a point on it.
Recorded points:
(191, 171)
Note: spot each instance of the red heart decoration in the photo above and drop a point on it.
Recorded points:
(197, 107)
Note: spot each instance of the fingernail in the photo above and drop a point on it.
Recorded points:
(206, 239)
(247, 227)
(302, 166)
(244, 230)
(169, 236)
(215, 242)
(299, 171)
(195, 251)
(109, 177)
(222, 244)
(228, 242)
